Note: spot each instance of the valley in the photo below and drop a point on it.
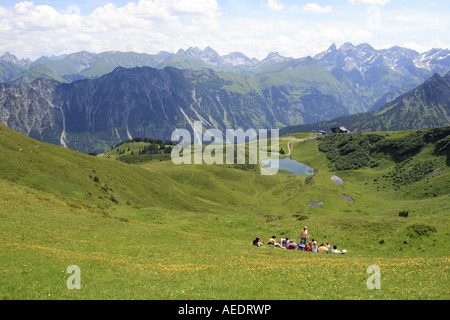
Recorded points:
(225, 158)
(158, 231)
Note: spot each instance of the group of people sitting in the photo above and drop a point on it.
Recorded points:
(303, 245)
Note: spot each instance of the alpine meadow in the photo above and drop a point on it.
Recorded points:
(95, 206)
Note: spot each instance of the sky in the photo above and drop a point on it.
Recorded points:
(293, 28)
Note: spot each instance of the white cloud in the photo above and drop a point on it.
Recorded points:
(314, 7)
(274, 5)
(29, 31)
(143, 26)
(427, 46)
(404, 19)
(369, 2)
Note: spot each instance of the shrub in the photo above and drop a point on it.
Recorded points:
(301, 217)
(309, 180)
(113, 199)
(403, 214)
(419, 229)
(272, 218)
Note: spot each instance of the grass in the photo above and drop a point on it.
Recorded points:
(185, 232)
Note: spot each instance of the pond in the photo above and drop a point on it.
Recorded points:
(316, 204)
(348, 198)
(290, 165)
(337, 180)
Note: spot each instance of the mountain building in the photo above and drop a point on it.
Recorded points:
(339, 130)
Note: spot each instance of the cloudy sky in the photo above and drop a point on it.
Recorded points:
(295, 28)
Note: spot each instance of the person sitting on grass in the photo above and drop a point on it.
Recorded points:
(323, 249)
(273, 242)
(335, 250)
(308, 248)
(292, 246)
(257, 242)
(314, 247)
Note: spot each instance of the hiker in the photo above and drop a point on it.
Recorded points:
(301, 246)
(304, 235)
(273, 242)
(335, 250)
(311, 243)
(291, 246)
(257, 242)
(308, 248)
(323, 248)
(288, 242)
(314, 247)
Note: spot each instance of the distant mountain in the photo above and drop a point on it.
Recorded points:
(39, 71)
(367, 72)
(372, 73)
(236, 59)
(85, 65)
(435, 60)
(108, 61)
(229, 91)
(8, 57)
(68, 64)
(371, 77)
(93, 114)
(274, 58)
(426, 106)
(218, 62)
(8, 70)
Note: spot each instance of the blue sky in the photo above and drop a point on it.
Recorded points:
(296, 28)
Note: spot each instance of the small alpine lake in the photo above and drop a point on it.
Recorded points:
(290, 165)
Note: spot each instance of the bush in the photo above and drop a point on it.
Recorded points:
(355, 151)
(350, 151)
(419, 230)
(113, 199)
(309, 180)
(272, 218)
(301, 217)
(403, 214)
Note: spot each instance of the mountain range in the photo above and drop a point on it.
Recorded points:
(426, 106)
(149, 102)
(88, 101)
(372, 76)
(358, 61)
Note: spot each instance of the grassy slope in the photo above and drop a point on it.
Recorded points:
(186, 231)
(8, 70)
(36, 72)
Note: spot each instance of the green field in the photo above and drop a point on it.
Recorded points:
(154, 230)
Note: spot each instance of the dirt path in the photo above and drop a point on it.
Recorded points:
(291, 146)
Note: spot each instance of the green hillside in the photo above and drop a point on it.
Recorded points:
(69, 64)
(160, 231)
(8, 70)
(39, 71)
(109, 61)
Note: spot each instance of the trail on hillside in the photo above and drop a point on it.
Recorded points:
(291, 146)
(253, 187)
